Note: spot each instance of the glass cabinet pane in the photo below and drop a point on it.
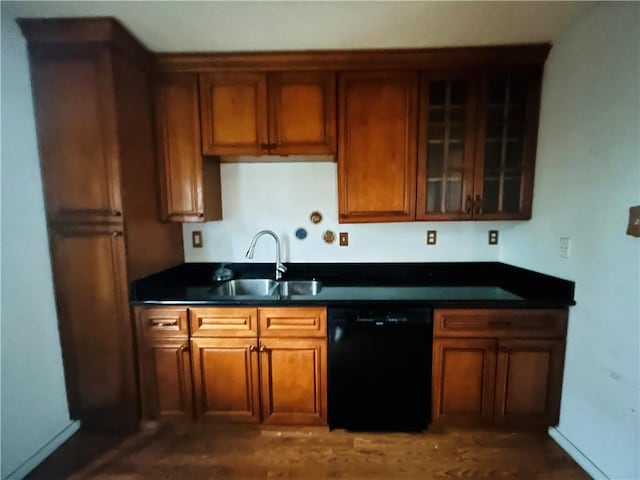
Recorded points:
(446, 143)
(504, 141)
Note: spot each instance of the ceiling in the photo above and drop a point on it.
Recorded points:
(165, 26)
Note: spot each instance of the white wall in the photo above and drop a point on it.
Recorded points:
(281, 197)
(34, 401)
(587, 176)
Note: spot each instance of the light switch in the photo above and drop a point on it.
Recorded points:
(344, 239)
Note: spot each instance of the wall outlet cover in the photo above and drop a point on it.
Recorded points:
(432, 237)
(493, 237)
(565, 246)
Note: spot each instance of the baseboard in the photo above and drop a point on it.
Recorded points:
(580, 458)
(34, 460)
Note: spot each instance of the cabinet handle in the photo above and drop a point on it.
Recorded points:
(469, 204)
(116, 234)
(499, 323)
(201, 215)
(161, 323)
(184, 348)
(478, 205)
(253, 348)
(263, 348)
(116, 213)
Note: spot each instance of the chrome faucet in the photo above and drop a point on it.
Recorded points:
(280, 268)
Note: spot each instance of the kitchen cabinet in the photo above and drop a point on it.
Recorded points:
(498, 367)
(257, 113)
(164, 363)
(377, 134)
(238, 374)
(190, 184)
(91, 85)
(226, 378)
(477, 145)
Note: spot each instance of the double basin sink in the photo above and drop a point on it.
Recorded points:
(265, 287)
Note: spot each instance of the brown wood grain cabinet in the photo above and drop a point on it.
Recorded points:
(237, 373)
(277, 113)
(498, 367)
(91, 83)
(477, 143)
(377, 134)
(190, 184)
(226, 381)
(293, 385)
(164, 363)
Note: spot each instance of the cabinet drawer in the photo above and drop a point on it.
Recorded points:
(500, 323)
(223, 322)
(163, 322)
(293, 322)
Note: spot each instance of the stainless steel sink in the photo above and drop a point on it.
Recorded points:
(254, 287)
(300, 287)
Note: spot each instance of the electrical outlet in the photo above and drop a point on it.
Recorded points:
(432, 237)
(493, 237)
(344, 239)
(565, 245)
(196, 239)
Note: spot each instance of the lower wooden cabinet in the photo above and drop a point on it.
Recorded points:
(211, 368)
(528, 382)
(164, 363)
(226, 380)
(502, 379)
(293, 380)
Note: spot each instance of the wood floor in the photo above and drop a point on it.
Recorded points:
(194, 452)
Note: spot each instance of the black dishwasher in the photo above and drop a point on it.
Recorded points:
(379, 368)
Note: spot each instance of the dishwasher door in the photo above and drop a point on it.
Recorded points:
(379, 369)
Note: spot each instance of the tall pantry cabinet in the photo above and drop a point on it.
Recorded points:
(92, 91)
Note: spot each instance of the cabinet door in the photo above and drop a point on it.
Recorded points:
(293, 380)
(529, 382)
(377, 146)
(506, 146)
(165, 378)
(164, 362)
(233, 108)
(226, 380)
(446, 143)
(95, 328)
(464, 380)
(75, 115)
(302, 113)
(181, 165)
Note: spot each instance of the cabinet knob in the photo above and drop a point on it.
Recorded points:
(469, 205)
(116, 213)
(116, 234)
(478, 205)
(253, 348)
(263, 348)
(184, 348)
(201, 215)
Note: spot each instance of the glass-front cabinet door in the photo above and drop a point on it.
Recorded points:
(446, 146)
(505, 151)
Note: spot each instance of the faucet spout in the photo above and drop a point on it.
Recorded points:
(280, 268)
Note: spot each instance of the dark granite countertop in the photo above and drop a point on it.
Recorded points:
(443, 284)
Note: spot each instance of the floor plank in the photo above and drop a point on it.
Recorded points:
(247, 452)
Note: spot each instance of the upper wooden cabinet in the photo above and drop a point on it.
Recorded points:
(377, 146)
(77, 139)
(277, 113)
(477, 145)
(190, 184)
